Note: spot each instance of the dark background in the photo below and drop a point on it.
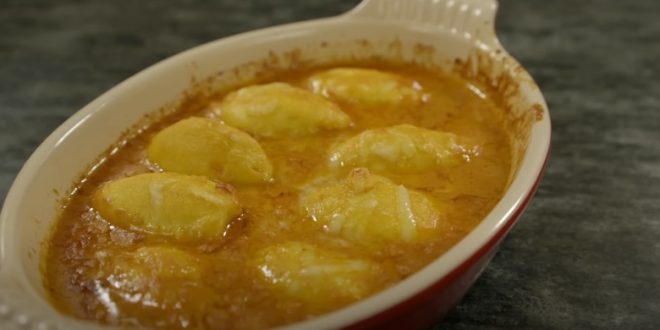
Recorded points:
(586, 254)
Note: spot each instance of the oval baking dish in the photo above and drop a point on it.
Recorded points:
(456, 35)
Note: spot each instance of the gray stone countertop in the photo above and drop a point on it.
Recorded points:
(586, 254)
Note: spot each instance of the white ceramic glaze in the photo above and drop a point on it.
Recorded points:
(454, 28)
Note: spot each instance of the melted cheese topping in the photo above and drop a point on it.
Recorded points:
(406, 215)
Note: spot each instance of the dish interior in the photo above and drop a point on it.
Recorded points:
(89, 254)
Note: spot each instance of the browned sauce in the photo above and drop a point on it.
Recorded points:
(229, 294)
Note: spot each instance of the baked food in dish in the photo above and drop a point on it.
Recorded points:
(280, 200)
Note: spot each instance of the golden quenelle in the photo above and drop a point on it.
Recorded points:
(279, 109)
(202, 146)
(398, 149)
(303, 272)
(370, 209)
(366, 87)
(183, 207)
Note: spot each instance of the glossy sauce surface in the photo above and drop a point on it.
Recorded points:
(221, 285)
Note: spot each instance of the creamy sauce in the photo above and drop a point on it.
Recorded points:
(229, 293)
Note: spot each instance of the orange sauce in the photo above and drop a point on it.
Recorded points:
(231, 296)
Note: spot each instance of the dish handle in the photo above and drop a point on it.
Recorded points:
(471, 18)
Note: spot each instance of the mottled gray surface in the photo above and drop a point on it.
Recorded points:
(587, 252)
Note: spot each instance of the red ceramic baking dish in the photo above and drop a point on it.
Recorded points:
(455, 35)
